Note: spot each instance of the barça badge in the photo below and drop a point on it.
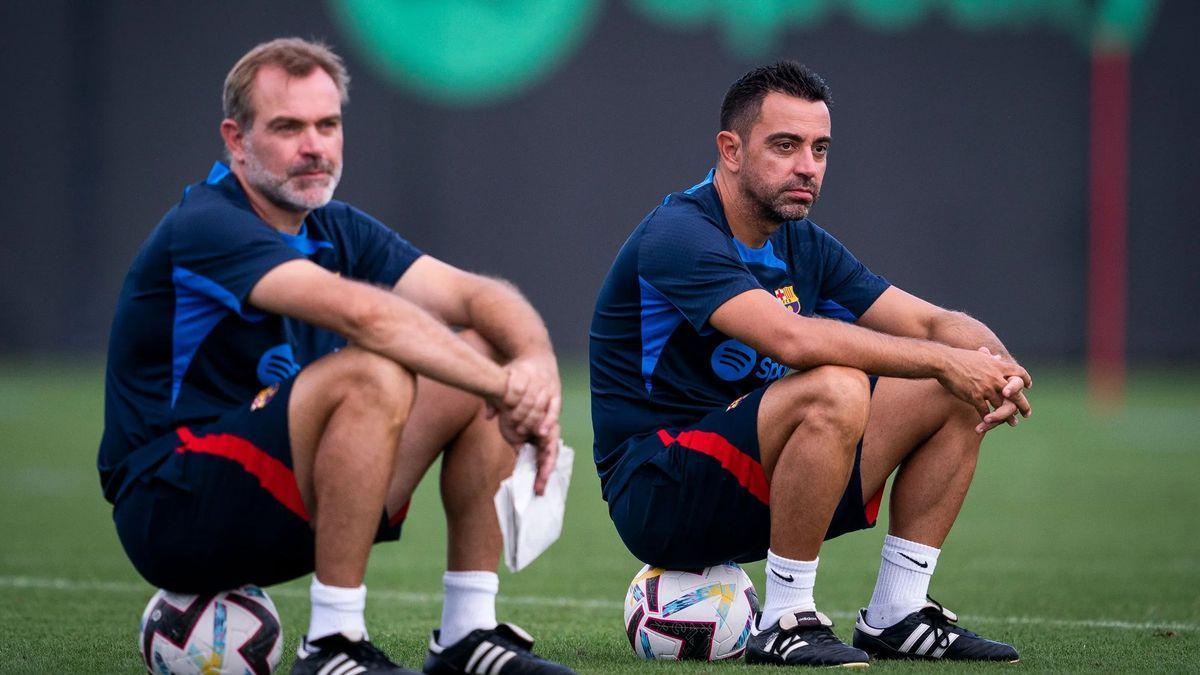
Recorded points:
(788, 297)
(736, 402)
(264, 397)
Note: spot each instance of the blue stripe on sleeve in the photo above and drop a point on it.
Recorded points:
(200, 304)
(659, 320)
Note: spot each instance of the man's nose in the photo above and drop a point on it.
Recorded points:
(311, 142)
(805, 165)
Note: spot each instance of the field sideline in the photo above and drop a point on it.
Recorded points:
(1080, 543)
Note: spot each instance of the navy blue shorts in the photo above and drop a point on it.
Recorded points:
(223, 508)
(702, 497)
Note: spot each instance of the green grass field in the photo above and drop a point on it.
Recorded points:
(1080, 544)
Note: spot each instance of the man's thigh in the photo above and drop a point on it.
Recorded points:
(702, 497)
(223, 509)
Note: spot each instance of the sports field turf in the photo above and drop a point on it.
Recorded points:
(1080, 544)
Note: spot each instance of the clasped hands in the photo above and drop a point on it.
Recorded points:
(991, 383)
(1012, 400)
(528, 411)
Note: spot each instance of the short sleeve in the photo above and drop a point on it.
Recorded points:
(693, 265)
(383, 256)
(846, 282)
(223, 253)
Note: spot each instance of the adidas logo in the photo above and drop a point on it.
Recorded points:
(924, 638)
(790, 644)
(342, 664)
(489, 658)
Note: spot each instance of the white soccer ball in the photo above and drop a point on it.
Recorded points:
(229, 632)
(699, 614)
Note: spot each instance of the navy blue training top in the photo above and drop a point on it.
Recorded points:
(655, 360)
(186, 346)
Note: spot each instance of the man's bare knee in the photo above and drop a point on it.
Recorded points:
(838, 399)
(951, 410)
(826, 401)
(370, 380)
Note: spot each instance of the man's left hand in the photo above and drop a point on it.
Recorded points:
(1014, 403)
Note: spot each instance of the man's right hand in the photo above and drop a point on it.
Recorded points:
(528, 411)
(980, 379)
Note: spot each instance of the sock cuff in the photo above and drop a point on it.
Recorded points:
(787, 564)
(910, 555)
(472, 580)
(337, 595)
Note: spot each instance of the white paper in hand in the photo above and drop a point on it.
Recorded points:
(531, 523)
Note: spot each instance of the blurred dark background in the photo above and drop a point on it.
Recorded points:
(959, 169)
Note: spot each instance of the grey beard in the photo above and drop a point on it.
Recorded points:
(275, 187)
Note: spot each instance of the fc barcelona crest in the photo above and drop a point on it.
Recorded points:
(788, 297)
(264, 397)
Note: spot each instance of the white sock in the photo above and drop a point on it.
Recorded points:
(903, 581)
(789, 588)
(337, 609)
(470, 604)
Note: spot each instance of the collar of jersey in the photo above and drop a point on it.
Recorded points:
(299, 241)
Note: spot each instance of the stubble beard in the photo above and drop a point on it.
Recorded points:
(773, 204)
(289, 191)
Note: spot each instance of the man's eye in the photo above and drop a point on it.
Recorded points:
(786, 147)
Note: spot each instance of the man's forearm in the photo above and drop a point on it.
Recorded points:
(505, 318)
(405, 333)
(801, 342)
(957, 329)
(831, 342)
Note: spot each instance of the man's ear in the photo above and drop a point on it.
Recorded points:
(235, 140)
(729, 150)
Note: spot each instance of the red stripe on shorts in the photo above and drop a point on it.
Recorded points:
(273, 475)
(748, 472)
(872, 507)
(399, 516)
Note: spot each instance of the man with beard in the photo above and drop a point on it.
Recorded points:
(733, 412)
(281, 374)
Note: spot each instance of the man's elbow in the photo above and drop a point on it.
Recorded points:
(797, 350)
(366, 320)
(495, 289)
(946, 320)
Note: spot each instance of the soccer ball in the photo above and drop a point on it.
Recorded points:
(698, 614)
(229, 632)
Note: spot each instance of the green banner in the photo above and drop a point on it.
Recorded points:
(463, 52)
(752, 28)
(473, 52)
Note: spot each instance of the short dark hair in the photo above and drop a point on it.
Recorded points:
(744, 99)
